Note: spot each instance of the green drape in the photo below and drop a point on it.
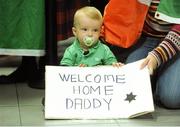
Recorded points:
(22, 27)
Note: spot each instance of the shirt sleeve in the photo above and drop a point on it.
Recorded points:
(67, 59)
(109, 56)
(169, 47)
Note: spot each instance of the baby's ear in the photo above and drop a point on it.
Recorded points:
(74, 31)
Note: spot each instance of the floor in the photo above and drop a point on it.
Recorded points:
(21, 105)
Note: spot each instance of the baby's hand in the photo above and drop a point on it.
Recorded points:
(118, 64)
(82, 65)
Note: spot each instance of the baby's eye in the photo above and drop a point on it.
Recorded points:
(95, 30)
(84, 29)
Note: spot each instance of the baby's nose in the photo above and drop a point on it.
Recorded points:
(90, 33)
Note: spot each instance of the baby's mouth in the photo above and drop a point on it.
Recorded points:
(88, 41)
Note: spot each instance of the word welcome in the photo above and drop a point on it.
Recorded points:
(90, 78)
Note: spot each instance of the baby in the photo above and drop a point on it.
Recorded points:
(87, 49)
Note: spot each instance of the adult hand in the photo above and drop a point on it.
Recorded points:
(151, 62)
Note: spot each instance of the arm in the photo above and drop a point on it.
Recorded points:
(67, 59)
(110, 59)
(168, 48)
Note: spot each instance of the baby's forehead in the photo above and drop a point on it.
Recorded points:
(91, 15)
(81, 16)
(83, 21)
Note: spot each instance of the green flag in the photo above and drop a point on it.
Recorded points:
(22, 27)
(169, 11)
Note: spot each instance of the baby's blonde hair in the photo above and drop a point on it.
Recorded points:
(89, 11)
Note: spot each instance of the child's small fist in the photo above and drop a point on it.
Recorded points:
(118, 64)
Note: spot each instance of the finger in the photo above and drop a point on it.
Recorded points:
(150, 71)
(81, 65)
(119, 64)
(144, 63)
(114, 65)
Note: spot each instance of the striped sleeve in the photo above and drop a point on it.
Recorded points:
(169, 47)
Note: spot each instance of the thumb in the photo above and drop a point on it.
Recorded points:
(144, 63)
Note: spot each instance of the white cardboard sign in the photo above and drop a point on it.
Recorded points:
(101, 92)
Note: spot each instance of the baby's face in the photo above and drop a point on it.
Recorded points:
(87, 31)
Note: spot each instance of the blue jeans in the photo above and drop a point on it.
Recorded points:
(167, 90)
